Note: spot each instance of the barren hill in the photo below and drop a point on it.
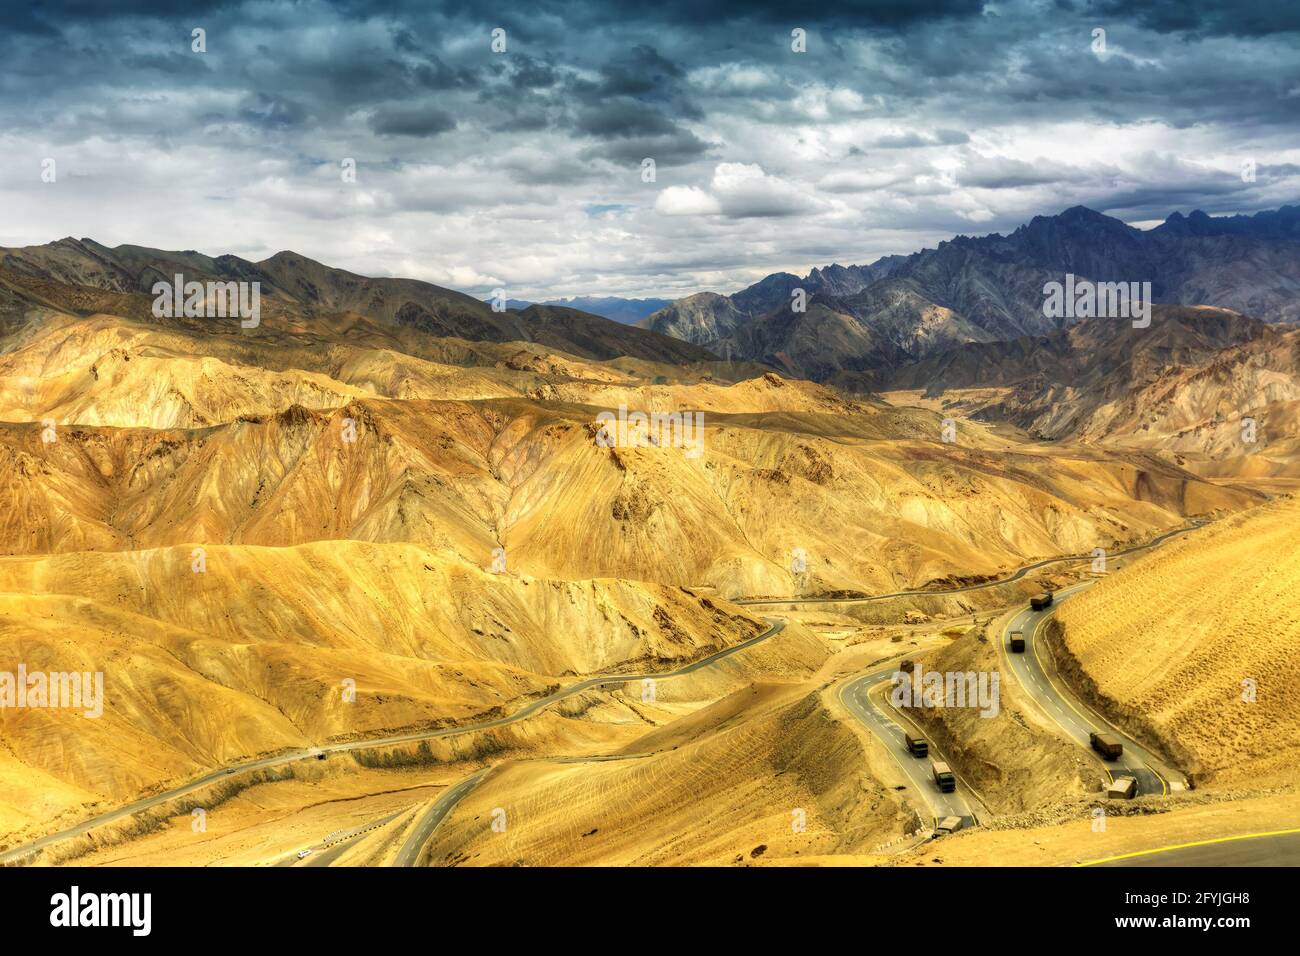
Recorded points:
(1195, 645)
(1200, 383)
(249, 655)
(69, 272)
(165, 438)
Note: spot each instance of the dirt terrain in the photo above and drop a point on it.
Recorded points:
(1194, 645)
(337, 528)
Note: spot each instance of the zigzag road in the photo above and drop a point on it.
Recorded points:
(29, 850)
(1037, 676)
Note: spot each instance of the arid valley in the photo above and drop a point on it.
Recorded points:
(584, 467)
(397, 579)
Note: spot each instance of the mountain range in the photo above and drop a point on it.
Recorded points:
(388, 484)
(1183, 387)
(627, 311)
(902, 309)
(300, 290)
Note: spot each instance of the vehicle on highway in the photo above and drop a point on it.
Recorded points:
(1107, 745)
(944, 778)
(917, 745)
(907, 666)
(1040, 601)
(1017, 642)
(1122, 788)
(948, 825)
(303, 854)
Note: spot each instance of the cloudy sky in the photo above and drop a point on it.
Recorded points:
(902, 123)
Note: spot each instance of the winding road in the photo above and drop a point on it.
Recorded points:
(1009, 579)
(775, 626)
(864, 709)
(1037, 676)
(428, 822)
(864, 698)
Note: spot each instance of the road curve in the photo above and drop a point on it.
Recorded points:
(428, 822)
(775, 627)
(1034, 671)
(437, 812)
(863, 697)
(1010, 579)
(1277, 848)
(324, 852)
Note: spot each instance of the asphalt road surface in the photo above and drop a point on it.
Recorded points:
(331, 848)
(428, 822)
(1010, 579)
(1279, 848)
(866, 698)
(1035, 673)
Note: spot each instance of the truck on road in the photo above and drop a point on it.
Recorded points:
(1122, 788)
(1042, 601)
(944, 778)
(1107, 745)
(948, 825)
(917, 745)
(1017, 642)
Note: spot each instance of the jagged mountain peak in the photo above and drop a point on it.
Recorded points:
(989, 288)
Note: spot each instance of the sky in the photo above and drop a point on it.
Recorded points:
(897, 125)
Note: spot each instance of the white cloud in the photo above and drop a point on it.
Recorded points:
(851, 152)
(745, 191)
(734, 78)
(686, 201)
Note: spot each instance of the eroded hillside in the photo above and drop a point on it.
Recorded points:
(1194, 645)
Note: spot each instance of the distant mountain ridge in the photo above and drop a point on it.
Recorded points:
(902, 309)
(1186, 384)
(300, 288)
(626, 311)
(615, 308)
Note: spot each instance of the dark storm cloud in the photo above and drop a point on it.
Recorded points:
(412, 120)
(641, 73)
(621, 119)
(672, 148)
(638, 94)
(873, 13)
(52, 16)
(902, 123)
(1226, 17)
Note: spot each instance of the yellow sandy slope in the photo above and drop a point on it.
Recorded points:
(765, 772)
(1174, 642)
(251, 655)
